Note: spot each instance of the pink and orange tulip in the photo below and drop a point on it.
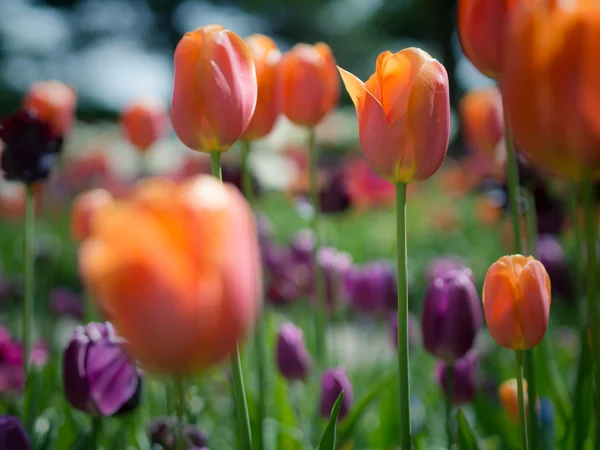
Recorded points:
(176, 268)
(508, 394)
(482, 119)
(215, 89)
(144, 122)
(403, 115)
(516, 301)
(54, 102)
(308, 83)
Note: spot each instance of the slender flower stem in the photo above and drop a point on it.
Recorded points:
(239, 392)
(532, 225)
(28, 275)
(403, 367)
(521, 398)
(449, 392)
(321, 314)
(96, 431)
(259, 331)
(180, 412)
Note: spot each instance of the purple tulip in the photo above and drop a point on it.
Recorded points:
(451, 316)
(12, 373)
(464, 378)
(439, 266)
(552, 256)
(334, 265)
(291, 355)
(163, 432)
(413, 332)
(302, 246)
(97, 374)
(333, 382)
(333, 195)
(64, 302)
(12, 434)
(372, 288)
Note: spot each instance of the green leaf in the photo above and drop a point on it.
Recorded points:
(465, 438)
(328, 439)
(288, 425)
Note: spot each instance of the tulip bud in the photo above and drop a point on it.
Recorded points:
(464, 378)
(509, 399)
(372, 288)
(403, 115)
(333, 382)
(451, 316)
(12, 434)
(85, 208)
(516, 301)
(215, 89)
(97, 374)
(438, 267)
(482, 118)
(54, 103)
(308, 84)
(144, 122)
(268, 106)
(292, 357)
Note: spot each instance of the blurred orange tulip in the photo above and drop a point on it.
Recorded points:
(516, 301)
(268, 107)
(144, 122)
(85, 208)
(54, 103)
(550, 85)
(308, 83)
(482, 118)
(215, 89)
(508, 394)
(176, 268)
(403, 115)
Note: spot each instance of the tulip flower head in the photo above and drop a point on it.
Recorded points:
(333, 382)
(144, 122)
(509, 399)
(516, 301)
(308, 83)
(403, 115)
(215, 89)
(54, 103)
(292, 357)
(85, 208)
(176, 268)
(12, 434)
(464, 378)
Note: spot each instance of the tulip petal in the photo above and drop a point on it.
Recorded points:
(534, 307)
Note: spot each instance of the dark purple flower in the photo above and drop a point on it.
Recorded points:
(372, 288)
(64, 302)
(98, 377)
(163, 432)
(333, 195)
(232, 173)
(288, 279)
(451, 316)
(30, 147)
(464, 378)
(333, 382)
(334, 265)
(291, 355)
(552, 256)
(439, 266)
(12, 434)
(413, 332)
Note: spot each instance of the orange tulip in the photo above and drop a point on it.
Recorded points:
(144, 122)
(516, 301)
(508, 394)
(215, 89)
(403, 115)
(54, 103)
(308, 83)
(550, 85)
(85, 208)
(176, 268)
(266, 58)
(482, 119)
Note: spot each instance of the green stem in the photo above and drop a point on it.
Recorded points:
(259, 331)
(96, 431)
(28, 275)
(180, 412)
(90, 308)
(239, 393)
(321, 309)
(449, 392)
(521, 398)
(403, 367)
(532, 225)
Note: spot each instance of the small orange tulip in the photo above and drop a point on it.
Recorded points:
(308, 83)
(508, 394)
(176, 268)
(85, 208)
(516, 301)
(482, 119)
(54, 103)
(266, 58)
(403, 115)
(215, 89)
(144, 122)
(550, 85)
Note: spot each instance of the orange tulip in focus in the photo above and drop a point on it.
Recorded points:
(482, 119)
(266, 59)
(482, 27)
(144, 122)
(85, 208)
(550, 85)
(508, 394)
(215, 89)
(403, 115)
(54, 102)
(308, 82)
(176, 267)
(516, 301)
